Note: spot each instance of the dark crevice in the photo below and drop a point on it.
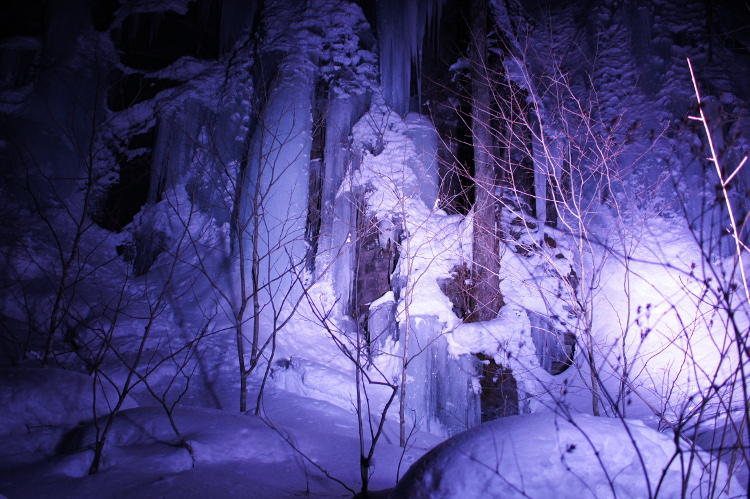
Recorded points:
(18, 65)
(23, 18)
(131, 89)
(103, 13)
(315, 183)
(128, 195)
(142, 140)
(154, 40)
(125, 198)
(499, 397)
(448, 103)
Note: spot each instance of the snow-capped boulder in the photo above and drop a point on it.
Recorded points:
(549, 455)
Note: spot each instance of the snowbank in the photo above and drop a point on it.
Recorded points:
(37, 407)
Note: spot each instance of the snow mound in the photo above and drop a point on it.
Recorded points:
(546, 455)
(214, 436)
(37, 407)
(36, 398)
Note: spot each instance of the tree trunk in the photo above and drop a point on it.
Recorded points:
(486, 264)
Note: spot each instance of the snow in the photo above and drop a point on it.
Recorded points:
(32, 397)
(508, 340)
(674, 337)
(38, 405)
(386, 298)
(551, 455)
(331, 33)
(213, 437)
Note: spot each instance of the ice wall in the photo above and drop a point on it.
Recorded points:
(335, 253)
(176, 139)
(337, 39)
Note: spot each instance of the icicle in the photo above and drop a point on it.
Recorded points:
(401, 30)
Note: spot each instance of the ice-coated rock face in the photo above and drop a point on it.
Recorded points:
(549, 455)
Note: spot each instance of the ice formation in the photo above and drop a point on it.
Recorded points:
(275, 188)
(137, 163)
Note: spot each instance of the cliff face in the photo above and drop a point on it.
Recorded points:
(291, 185)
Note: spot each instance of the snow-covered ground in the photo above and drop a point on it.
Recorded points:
(300, 446)
(307, 447)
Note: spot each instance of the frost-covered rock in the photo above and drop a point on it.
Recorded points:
(548, 455)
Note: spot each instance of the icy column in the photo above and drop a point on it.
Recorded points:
(177, 138)
(381, 324)
(555, 347)
(425, 138)
(442, 396)
(337, 224)
(398, 181)
(275, 189)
